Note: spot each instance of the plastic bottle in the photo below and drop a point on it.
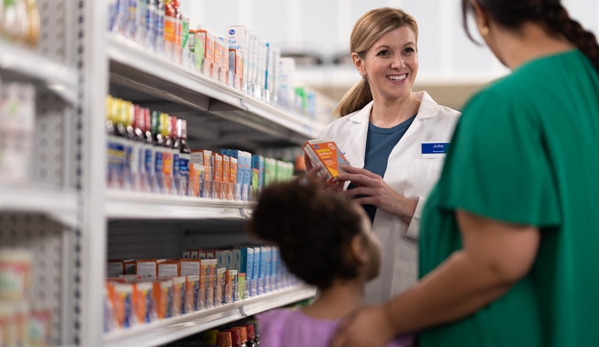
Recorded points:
(175, 169)
(140, 148)
(158, 143)
(147, 156)
(178, 47)
(131, 160)
(250, 335)
(33, 23)
(170, 27)
(167, 154)
(184, 157)
(149, 40)
(159, 26)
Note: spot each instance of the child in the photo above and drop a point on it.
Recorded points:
(326, 241)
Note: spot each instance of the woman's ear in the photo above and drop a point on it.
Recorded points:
(359, 63)
(480, 15)
(358, 250)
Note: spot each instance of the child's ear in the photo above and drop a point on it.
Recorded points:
(359, 250)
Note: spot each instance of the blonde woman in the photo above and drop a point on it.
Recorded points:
(395, 140)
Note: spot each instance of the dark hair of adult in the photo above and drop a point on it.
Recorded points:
(312, 228)
(511, 14)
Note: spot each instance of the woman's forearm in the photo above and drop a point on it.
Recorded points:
(459, 287)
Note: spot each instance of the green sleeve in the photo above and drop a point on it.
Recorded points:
(497, 165)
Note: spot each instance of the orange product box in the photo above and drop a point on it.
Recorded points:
(189, 267)
(208, 39)
(123, 305)
(193, 288)
(226, 168)
(143, 297)
(218, 174)
(170, 268)
(117, 267)
(207, 165)
(179, 295)
(207, 273)
(328, 156)
(224, 61)
(163, 295)
(216, 67)
(147, 267)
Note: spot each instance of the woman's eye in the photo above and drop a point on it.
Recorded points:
(385, 52)
(409, 50)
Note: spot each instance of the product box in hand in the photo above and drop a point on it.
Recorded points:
(328, 156)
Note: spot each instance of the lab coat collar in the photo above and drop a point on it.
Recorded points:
(357, 142)
(428, 108)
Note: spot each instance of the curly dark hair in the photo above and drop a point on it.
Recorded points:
(312, 228)
(512, 14)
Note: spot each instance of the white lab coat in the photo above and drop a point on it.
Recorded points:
(407, 173)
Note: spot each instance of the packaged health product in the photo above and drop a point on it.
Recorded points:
(193, 290)
(247, 175)
(235, 188)
(231, 285)
(236, 259)
(163, 298)
(286, 82)
(220, 284)
(208, 42)
(15, 274)
(198, 50)
(258, 163)
(218, 176)
(118, 267)
(123, 305)
(241, 283)
(226, 190)
(40, 328)
(143, 298)
(247, 262)
(168, 269)
(179, 291)
(187, 254)
(147, 267)
(328, 156)
(207, 189)
(239, 38)
(17, 122)
(189, 267)
(270, 170)
(224, 61)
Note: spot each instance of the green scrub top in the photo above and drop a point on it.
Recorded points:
(526, 151)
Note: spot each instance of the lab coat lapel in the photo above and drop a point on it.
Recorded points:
(356, 144)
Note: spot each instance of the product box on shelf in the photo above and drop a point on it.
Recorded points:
(220, 285)
(147, 267)
(117, 267)
(239, 40)
(286, 82)
(143, 298)
(169, 269)
(198, 49)
(193, 293)
(258, 163)
(235, 186)
(17, 123)
(230, 282)
(163, 297)
(207, 40)
(217, 183)
(189, 267)
(227, 193)
(224, 75)
(327, 155)
(216, 67)
(179, 290)
(270, 168)
(121, 298)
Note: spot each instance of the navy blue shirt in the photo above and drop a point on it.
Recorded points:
(379, 144)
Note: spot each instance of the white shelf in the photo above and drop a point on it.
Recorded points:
(30, 65)
(56, 203)
(171, 329)
(135, 205)
(149, 71)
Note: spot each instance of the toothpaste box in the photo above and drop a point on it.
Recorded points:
(258, 163)
(247, 262)
(328, 156)
(236, 259)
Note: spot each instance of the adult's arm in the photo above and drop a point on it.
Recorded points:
(495, 255)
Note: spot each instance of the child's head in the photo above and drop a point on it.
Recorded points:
(322, 236)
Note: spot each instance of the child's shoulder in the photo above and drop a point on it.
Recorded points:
(273, 316)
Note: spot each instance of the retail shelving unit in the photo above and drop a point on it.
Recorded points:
(109, 222)
(41, 213)
(160, 332)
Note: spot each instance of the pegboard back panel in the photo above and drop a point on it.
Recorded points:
(55, 29)
(53, 140)
(46, 240)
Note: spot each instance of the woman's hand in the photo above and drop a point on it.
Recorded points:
(367, 327)
(378, 193)
(312, 174)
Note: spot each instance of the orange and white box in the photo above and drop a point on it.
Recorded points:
(163, 295)
(218, 176)
(143, 297)
(235, 189)
(217, 59)
(208, 39)
(179, 295)
(169, 268)
(189, 267)
(328, 156)
(118, 267)
(226, 193)
(147, 267)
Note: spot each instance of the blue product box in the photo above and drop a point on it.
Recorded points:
(225, 151)
(274, 259)
(258, 163)
(234, 153)
(257, 258)
(263, 260)
(237, 261)
(247, 262)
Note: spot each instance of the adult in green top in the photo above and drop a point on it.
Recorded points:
(509, 241)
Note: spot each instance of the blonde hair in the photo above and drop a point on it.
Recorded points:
(367, 30)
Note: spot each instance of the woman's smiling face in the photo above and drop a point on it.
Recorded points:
(391, 64)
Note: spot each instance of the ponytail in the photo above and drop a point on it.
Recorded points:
(355, 99)
(559, 20)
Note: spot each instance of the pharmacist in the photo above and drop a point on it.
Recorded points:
(394, 139)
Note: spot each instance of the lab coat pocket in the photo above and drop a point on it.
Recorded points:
(422, 176)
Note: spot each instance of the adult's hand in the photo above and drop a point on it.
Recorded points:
(367, 327)
(312, 174)
(378, 193)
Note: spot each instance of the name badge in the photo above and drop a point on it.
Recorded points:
(434, 150)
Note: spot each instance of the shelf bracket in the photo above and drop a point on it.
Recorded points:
(243, 105)
(242, 312)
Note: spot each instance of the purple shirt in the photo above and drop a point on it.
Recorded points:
(287, 328)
